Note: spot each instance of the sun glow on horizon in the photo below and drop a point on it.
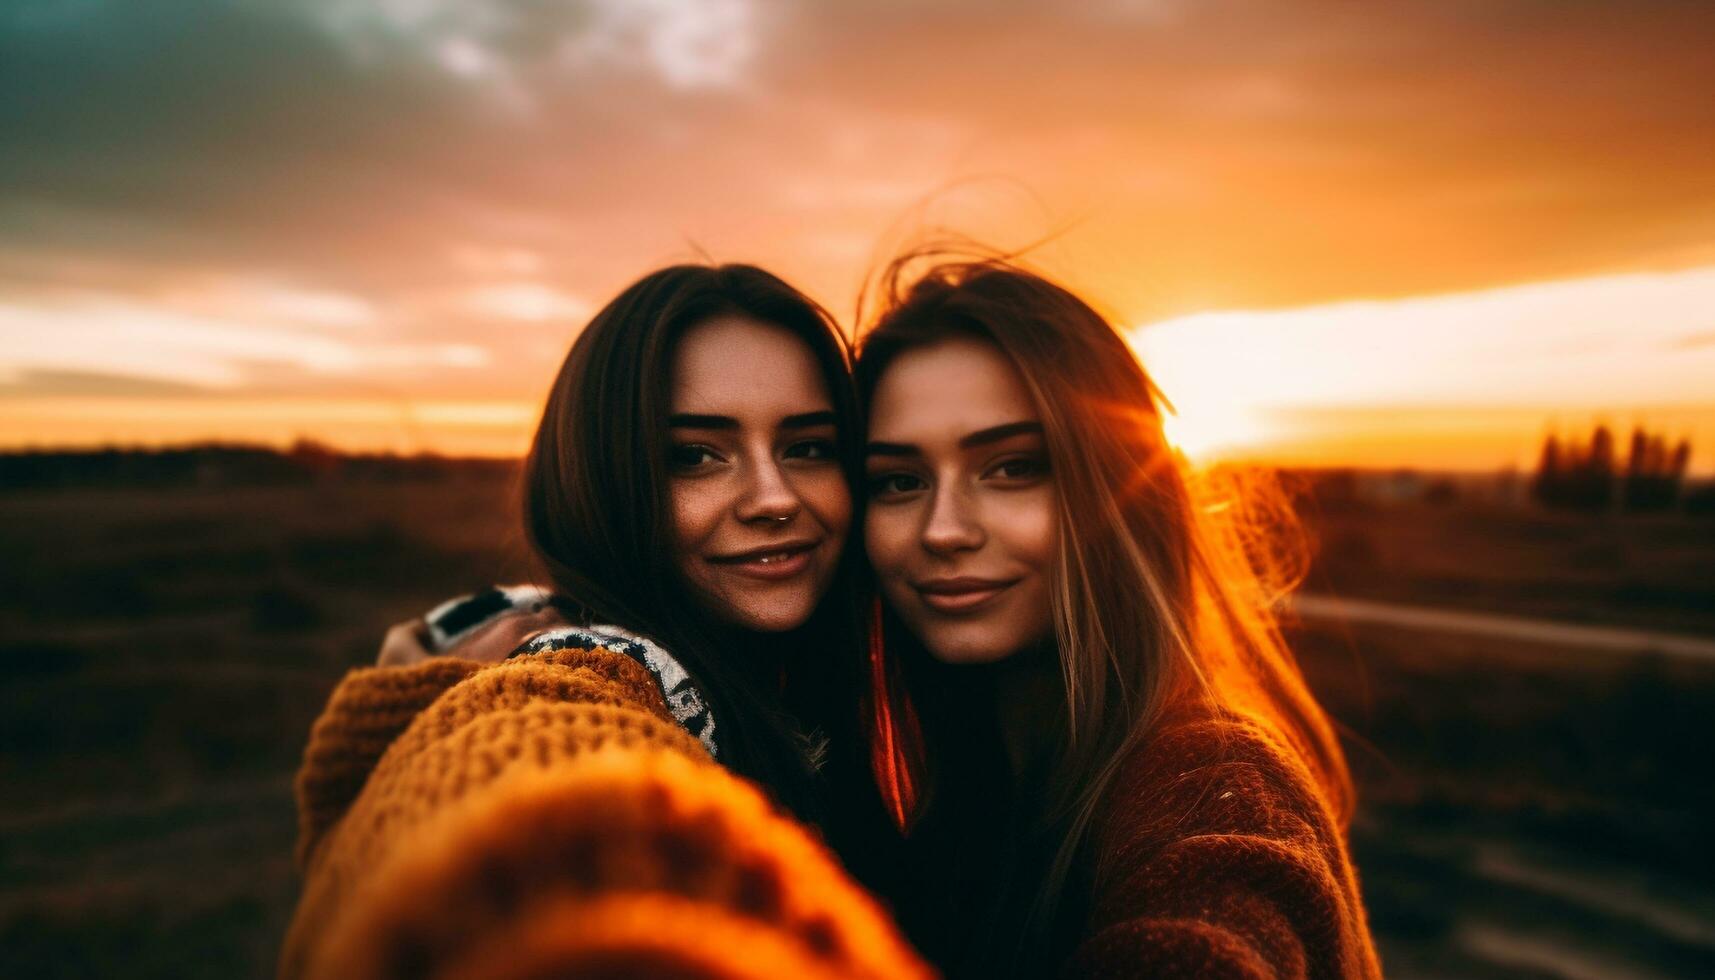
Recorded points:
(1216, 433)
(1461, 381)
(492, 428)
(1406, 382)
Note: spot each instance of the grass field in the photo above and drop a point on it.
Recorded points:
(1525, 811)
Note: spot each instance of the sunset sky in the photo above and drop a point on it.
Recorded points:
(1383, 233)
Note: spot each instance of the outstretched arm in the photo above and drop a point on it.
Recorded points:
(545, 816)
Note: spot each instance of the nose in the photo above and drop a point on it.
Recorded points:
(768, 496)
(952, 525)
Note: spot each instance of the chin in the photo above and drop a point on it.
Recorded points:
(969, 646)
(773, 624)
(770, 616)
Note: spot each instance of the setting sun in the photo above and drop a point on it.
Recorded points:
(1462, 381)
(1327, 258)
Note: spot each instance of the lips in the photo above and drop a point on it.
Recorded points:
(772, 562)
(962, 594)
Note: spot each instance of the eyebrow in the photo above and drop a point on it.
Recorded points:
(981, 437)
(806, 420)
(809, 420)
(702, 422)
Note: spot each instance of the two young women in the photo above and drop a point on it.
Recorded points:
(1074, 702)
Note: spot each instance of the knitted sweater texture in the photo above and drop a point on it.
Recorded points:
(1216, 855)
(545, 816)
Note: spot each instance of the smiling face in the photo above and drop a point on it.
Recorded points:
(760, 504)
(961, 524)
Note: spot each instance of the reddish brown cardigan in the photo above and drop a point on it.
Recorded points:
(1217, 855)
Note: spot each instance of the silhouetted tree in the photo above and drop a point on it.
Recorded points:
(1545, 488)
(1653, 476)
(1586, 476)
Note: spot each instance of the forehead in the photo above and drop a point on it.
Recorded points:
(946, 390)
(734, 365)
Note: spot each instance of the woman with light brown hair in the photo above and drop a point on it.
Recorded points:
(1105, 756)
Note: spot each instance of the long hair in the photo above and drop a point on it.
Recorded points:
(597, 515)
(1165, 582)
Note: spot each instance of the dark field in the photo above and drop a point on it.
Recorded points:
(1526, 810)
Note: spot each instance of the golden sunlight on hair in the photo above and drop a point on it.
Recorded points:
(1220, 418)
(1215, 432)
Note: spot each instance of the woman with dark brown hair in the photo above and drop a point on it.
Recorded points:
(590, 789)
(1105, 756)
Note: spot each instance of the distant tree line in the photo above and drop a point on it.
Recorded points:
(1588, 475)
(227, 464)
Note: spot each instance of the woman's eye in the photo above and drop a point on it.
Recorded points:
(894, 484)
(811, 449)
(1020, 468)
(690, 456)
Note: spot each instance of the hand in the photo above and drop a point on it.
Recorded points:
(405, 644)
(495, 641)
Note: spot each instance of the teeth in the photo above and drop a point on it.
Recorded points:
(777, 556)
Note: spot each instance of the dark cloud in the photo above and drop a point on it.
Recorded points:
(1216, 152)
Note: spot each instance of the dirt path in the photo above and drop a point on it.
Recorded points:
(1546, 631)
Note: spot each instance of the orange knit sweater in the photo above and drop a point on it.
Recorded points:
(1216, 855)
(545, 816)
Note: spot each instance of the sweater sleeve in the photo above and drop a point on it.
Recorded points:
(547, 816)
(1218, 857)
(369, 708)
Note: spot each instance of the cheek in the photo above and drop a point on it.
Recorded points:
(1033, 530)
(696, 515)
(1032, 538)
